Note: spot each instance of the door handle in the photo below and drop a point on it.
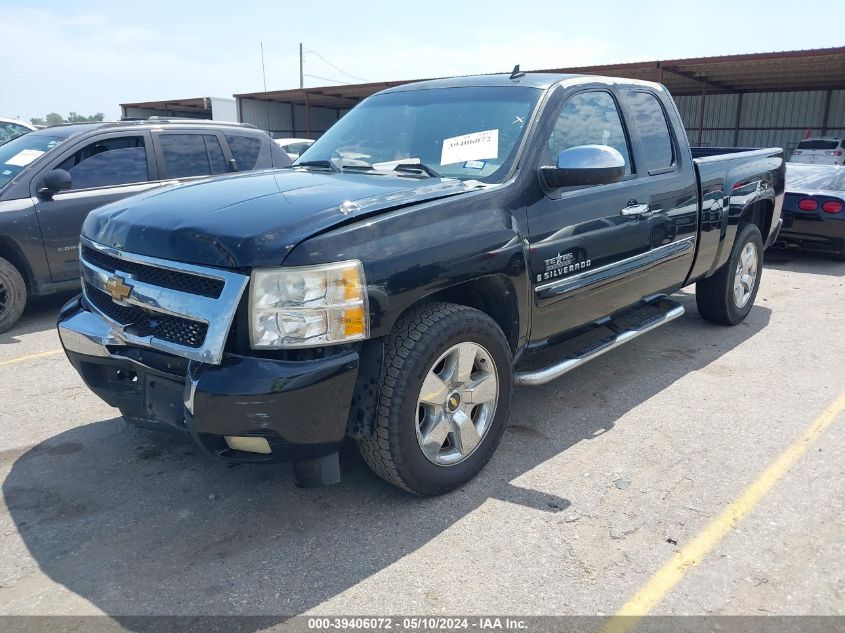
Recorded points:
(635, 209)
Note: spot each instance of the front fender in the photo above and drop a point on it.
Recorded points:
(413, 253)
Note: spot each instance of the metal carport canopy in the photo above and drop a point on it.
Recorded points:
(813, 69)
(188, 106)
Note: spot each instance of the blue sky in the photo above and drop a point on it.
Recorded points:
(89, 56)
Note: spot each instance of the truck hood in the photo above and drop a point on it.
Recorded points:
(253, 219)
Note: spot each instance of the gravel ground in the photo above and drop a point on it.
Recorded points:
(600, 478)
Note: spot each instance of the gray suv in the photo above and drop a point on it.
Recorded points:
(50, 179)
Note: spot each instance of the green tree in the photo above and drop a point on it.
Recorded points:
(73, 117)
(54, 118)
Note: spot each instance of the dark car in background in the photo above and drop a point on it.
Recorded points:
(814, 209)
(50, 179)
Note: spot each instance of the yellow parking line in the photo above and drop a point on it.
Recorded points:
(20, 359)
(648, 597)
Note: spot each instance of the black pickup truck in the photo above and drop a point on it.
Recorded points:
(50, 179)
(443, 242)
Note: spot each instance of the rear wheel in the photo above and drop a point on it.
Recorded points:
(12, 295)
(728, 296)
(445, 394)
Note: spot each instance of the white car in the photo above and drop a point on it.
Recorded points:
(820, 151)
(13, 128)
(293, 147)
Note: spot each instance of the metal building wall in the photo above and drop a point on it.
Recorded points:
(144, 113)
(287, 120)
(762, 119)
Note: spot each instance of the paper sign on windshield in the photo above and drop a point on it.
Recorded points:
(24, 157)
(475, 146)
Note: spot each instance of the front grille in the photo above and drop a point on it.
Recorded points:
(171, 279)
(143, 323)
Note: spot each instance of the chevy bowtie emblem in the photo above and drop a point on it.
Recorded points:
(118, 288)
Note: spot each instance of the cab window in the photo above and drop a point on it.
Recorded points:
(588, 118)
(108, 162)
(654, 131)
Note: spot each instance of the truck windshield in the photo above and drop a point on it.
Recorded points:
(20, 152)
(467, 133)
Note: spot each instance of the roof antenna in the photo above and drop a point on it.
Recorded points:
(516, 73)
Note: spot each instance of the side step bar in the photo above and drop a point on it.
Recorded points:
(547, 374)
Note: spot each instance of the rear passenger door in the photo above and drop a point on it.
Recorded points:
(103, 168)
(189, 154)
(670, 191)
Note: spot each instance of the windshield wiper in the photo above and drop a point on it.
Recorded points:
(417, 168)
(325, 164)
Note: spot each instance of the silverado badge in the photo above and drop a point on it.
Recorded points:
(118, 288)
(562, 265)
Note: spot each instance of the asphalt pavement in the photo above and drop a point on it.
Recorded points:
(602, 477)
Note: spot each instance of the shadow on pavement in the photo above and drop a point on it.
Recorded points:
(796, 261)
(141, 524)
(39, 315)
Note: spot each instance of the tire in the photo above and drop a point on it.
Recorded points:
(431, 340)
(715, 296)
(12, 295)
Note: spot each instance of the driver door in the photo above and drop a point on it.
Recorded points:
(583, 239)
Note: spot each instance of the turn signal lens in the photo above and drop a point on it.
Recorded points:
(808, 204)
(832, 206)
(354, 324)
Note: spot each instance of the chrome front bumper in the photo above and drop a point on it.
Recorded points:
(87, 333)
(300, 407)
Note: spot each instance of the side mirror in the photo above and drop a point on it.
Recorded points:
(585, 165)
(55, 181)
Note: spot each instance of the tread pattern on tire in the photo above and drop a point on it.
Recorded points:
(399, 350)
(713, 293)
(16, 287)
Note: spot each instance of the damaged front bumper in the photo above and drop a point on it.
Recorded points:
(299, 407)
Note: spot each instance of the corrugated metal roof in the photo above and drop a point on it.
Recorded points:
(822, 68)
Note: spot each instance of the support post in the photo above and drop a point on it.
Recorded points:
(307, 117)
(301, 76)
(826, 112)
(701, 114)
(737, 120)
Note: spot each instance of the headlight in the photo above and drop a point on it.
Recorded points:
(308, 306)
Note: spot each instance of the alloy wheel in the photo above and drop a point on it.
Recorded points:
(457, 403)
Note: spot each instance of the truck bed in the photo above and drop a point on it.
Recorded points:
(730, 180)
(705, 152)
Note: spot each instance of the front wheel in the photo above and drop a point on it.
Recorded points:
(728, 296)
(12, 295)
(444, 399)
